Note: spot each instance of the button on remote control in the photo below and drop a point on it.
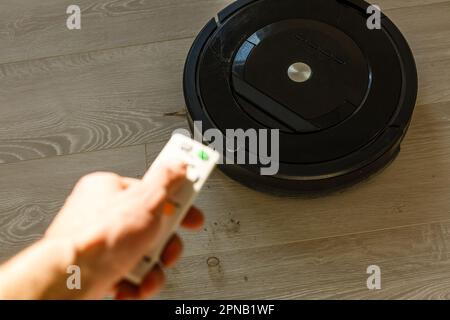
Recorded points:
(186, 147)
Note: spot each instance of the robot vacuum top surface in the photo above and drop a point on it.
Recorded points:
(340, 93)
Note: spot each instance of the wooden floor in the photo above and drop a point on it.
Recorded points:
(107, 98)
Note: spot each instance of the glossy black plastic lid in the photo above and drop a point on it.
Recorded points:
(342, 95)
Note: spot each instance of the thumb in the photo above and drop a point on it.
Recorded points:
(161, 180)
(165, 174)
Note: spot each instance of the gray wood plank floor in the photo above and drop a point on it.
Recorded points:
(107, 98)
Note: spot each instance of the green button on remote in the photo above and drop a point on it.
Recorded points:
(203, 155)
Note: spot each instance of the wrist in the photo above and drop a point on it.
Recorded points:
(50, 261)
(71, 265)
(59, 256)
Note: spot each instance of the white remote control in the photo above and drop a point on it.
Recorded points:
(201, 161)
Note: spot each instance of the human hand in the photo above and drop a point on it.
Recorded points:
(109, 222)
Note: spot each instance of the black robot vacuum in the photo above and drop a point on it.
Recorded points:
(340, 93)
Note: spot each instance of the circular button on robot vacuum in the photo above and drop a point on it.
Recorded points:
(340, 93)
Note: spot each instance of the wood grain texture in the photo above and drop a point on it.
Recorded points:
(414, 264)
(37, 29)
(91, 101)
(32, 192)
